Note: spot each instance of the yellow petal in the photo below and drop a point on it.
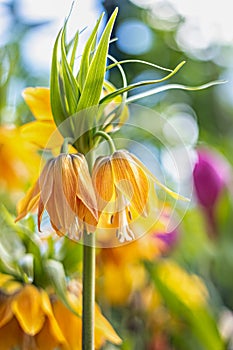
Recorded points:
(117, 283)
(29, 202)
(9, 285)
(45, 339)
(173, 194)
(155, 180)
(26, 307)
(38, 100)
(71, 325)
(5, 309)
(51, 322)
(11, 336)
(103, 330)
(43, 134)
(45, 183)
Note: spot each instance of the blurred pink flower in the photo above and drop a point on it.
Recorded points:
(211, 174)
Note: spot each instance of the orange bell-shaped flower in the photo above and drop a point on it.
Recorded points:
(65, 190)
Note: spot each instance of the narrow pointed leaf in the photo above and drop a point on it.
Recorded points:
(70, 84)
(58, 110)
(92, 89)
(138, 61)
(120, 114)
(85, 61)
(74, 50)
(141, 83)
(171, 87)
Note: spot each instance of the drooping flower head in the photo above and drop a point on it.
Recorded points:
(122, 185)
(122, 188)
(65, 190)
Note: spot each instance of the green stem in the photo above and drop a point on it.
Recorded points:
(108, 139)
(88, 315)
(67, 141)
(88, 310)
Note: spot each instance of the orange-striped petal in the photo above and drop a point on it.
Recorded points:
(85, 191)
(103, 181)
(131, 180)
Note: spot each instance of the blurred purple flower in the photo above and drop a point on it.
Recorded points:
(169, 238)
(210, 175)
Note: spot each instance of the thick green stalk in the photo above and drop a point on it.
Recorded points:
(88, 313)
(88, 318)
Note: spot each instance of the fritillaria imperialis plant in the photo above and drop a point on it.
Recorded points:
(83, 193)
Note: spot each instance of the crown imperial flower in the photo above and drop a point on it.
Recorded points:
(65, 190)
(123, 196)
(123, 193)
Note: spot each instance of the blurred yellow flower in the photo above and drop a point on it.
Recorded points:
(31, 319)
(71, 325)
(27, 320)
(19, 161)
(188, 287)
(65, 190)
(39, 132)
(120, 270)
